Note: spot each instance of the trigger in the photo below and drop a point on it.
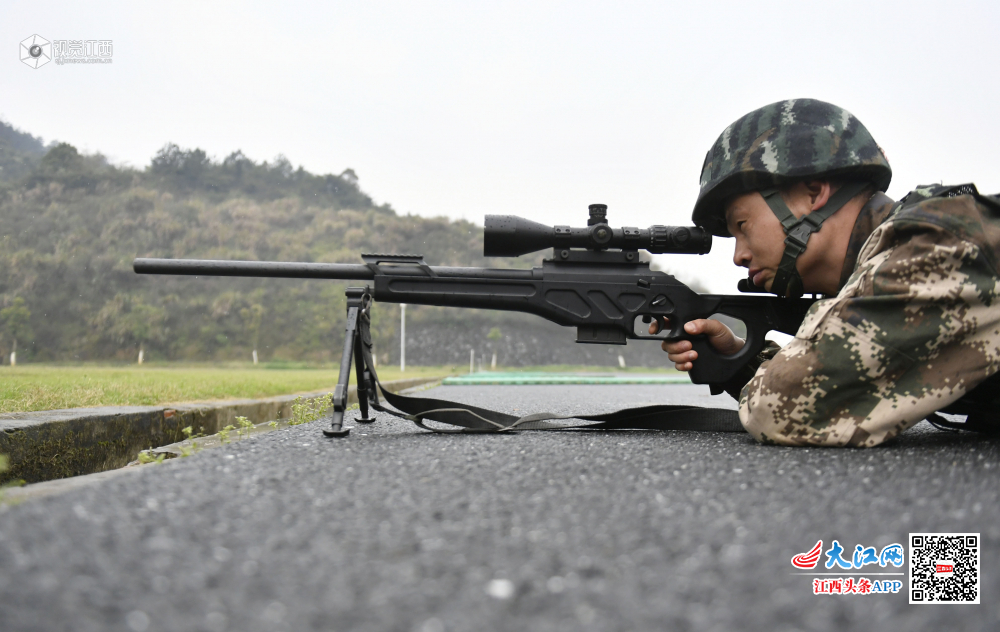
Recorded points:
(662, 322)
(646, 318)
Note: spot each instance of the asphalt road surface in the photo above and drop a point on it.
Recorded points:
(396, 528)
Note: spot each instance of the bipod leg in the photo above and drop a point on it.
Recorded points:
(339, 397)
(365, 386)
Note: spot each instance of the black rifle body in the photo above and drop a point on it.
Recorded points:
(601, 293)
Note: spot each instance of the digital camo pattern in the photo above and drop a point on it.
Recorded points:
(782, 141)
(872, 215)
(916, 327)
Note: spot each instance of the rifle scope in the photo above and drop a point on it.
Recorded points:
(512, 236)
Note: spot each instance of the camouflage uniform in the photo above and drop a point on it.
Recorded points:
(916, 324)
(915, 327)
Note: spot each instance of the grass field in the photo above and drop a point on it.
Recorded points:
(48, 386)
(51, 386)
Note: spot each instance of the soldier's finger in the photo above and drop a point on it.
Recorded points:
(676, 346)
(708, 327)
(701, 326)
(689, 356)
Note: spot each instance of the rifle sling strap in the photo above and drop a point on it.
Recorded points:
(464, 418)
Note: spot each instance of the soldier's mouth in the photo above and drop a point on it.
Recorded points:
(758, 277)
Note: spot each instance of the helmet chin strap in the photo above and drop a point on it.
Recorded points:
(787, 281)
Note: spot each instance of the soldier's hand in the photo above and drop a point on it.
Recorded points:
(680, 352)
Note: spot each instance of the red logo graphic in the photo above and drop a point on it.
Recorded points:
(944, 568)
(808, 560)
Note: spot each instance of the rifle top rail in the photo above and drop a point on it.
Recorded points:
(295, 270)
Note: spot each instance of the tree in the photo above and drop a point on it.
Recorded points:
(282, 166)
(62, 158)
(128, 321)
(15, 319)
(186, 167)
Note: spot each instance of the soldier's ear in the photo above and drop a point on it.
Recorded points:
(819, 192)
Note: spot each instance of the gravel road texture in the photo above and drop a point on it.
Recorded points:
(396, 528)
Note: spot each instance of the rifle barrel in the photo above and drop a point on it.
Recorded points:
(281, 269)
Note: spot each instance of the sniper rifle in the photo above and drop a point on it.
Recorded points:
(594, 281)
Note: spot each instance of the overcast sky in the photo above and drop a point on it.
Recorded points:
(529, 108)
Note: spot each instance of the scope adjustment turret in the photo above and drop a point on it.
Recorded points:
(598, 214)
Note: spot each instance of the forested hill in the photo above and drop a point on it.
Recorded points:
(19, 153)
(70, 225)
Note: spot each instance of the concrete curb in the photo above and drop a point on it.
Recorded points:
(52, 444)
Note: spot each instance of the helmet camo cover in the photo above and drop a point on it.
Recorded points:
(780, 143)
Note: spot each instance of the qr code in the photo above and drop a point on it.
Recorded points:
(944, 568)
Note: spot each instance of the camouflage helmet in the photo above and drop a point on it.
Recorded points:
(780, 143)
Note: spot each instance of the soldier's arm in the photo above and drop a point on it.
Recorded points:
(910, 332)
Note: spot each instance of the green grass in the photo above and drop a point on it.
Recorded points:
(51, 386)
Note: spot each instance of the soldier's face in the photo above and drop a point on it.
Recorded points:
(760, 241)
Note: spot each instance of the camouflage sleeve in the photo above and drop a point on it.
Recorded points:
(915, 328)
(736, 383)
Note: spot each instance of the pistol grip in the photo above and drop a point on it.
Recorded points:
(713, 368)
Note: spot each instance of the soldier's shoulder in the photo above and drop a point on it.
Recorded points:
(959, 209)
(947, 191)
(931, 201)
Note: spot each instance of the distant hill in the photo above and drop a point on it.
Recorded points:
(71, 224)
(19, 153)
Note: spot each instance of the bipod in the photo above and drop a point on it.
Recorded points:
(357, 348)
